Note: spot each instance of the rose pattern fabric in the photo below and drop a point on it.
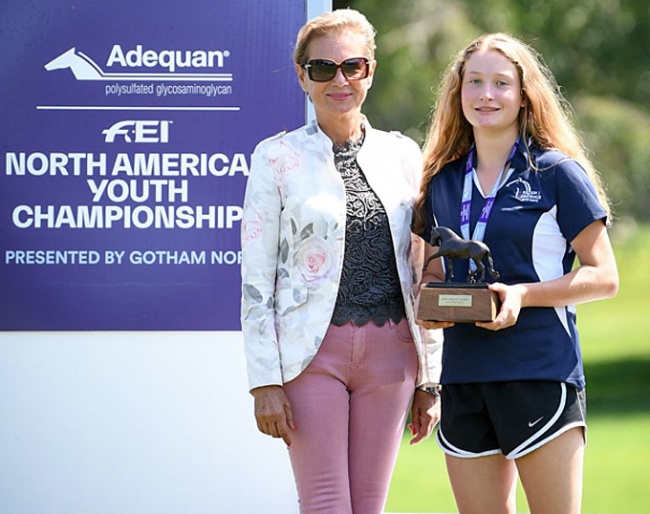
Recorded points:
(293, 233)
(315, 259)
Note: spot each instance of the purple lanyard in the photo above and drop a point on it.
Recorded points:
(466, 209)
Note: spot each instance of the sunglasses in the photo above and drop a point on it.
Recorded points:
(324, 70)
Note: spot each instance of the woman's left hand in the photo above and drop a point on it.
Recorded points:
(425, 413)
(510, 297)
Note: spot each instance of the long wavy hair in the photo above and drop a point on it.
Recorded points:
(545, 117)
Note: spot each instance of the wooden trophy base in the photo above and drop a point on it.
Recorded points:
(464, 303)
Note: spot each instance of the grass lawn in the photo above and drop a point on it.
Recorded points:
(615, 337)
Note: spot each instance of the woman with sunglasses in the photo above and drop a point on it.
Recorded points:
(503, 164)
(334, 354)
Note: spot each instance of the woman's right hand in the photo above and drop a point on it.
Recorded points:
(273, 412)
(432, 325)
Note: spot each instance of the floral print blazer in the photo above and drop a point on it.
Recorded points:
(293, 235)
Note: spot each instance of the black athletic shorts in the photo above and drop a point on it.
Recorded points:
(512, 418)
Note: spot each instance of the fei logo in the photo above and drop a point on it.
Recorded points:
(139, 131)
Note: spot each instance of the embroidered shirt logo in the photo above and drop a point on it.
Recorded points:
(524, 192)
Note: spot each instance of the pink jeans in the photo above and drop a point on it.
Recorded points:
(350, 407)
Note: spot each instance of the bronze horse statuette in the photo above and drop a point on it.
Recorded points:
(451, 246)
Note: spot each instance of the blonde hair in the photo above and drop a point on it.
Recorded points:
(331, 23)
(545, 116)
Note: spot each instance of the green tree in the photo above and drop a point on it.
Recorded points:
(599, 51)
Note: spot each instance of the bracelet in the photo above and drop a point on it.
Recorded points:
(431, 388)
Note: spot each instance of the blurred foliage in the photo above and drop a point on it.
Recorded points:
(599, 51)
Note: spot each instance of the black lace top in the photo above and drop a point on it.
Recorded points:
(370, 288)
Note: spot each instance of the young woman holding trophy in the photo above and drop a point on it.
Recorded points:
(503, 165)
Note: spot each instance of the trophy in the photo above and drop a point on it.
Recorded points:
(453, 301)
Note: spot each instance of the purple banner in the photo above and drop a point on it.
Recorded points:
(126, 137)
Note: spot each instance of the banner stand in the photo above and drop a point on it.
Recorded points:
(121, 360)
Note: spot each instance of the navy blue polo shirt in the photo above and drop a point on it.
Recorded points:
(537, 212)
